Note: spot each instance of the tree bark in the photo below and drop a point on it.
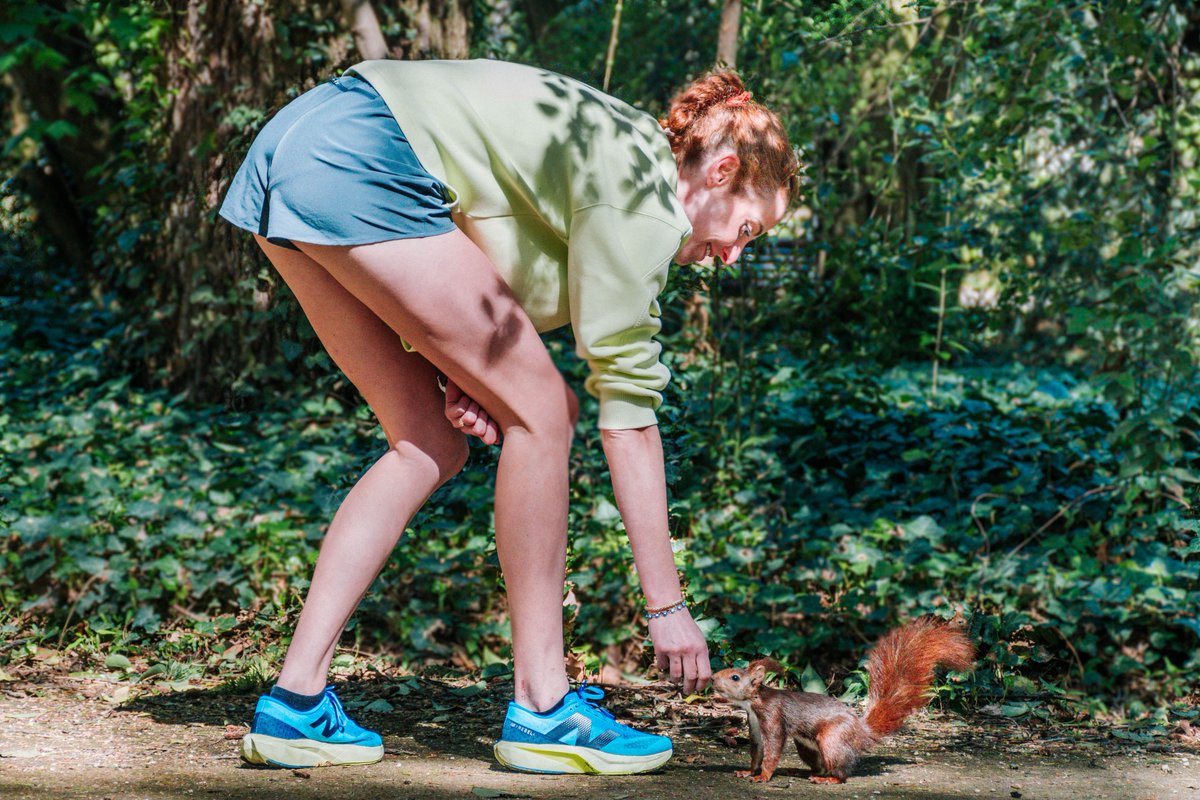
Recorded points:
(368, 37)
(41, 177)
(727, 34)
(443, 29)
(538, 14)
(221, 53)
(57, 174)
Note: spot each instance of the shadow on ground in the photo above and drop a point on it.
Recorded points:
(66, 739)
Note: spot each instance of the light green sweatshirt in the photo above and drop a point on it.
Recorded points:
(570, 192)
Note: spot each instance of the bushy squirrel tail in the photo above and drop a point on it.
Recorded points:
(901, 669)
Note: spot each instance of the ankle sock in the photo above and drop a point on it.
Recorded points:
(300, 702)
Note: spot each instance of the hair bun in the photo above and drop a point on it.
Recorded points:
(714, 113)
(715, 89)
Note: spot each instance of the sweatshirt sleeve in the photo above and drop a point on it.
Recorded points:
(617, 264)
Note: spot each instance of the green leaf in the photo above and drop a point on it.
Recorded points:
(1016, 709)
(379, 706)
(118, 661)
(810, 681)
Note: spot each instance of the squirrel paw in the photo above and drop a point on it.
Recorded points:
(761, 777)
(826, 779)
(743, 773)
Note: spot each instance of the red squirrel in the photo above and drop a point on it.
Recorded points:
(828, 734)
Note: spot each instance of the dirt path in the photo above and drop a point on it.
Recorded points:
(63, 739)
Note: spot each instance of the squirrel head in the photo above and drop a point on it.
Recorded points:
(743, 684)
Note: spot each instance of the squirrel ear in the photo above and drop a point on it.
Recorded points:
(760, 667)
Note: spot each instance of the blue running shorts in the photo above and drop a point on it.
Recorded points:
(333, 167)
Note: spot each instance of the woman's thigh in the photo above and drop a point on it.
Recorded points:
(446, 298)
(399, 386)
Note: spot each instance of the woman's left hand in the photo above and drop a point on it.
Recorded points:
(466, 415)
(681, 650)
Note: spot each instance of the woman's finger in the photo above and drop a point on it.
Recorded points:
(689, 674)
(457, 405)
(479, 427)
(470, 412)
(492, 435)
(703, 670)
(698, 674)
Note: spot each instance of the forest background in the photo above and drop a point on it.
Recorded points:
(961, 376)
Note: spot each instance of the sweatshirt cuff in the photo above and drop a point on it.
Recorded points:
(625, 412)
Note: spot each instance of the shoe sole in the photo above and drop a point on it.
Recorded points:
(568, 759)
(273, 751)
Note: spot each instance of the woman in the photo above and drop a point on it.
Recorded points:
(506, 201)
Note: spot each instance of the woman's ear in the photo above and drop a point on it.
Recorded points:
(723, 169)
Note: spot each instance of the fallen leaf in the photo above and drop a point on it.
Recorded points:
(576, 668)
(236, 731)
(117, 696)
(117, 661)
(379, 706)
(47, 656)
(302, 773)
(1185, 731)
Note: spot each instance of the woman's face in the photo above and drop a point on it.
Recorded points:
(723, 222)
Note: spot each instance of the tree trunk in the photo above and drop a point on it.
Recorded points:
(368, 38)
(443, 29)
(41, 176)
(727, 34)
(538, 14)
(223, 55)
(57, 173)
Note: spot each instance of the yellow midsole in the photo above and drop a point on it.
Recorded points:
(574, 760)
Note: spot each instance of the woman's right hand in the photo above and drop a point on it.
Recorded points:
(681, 651)
(466, 415)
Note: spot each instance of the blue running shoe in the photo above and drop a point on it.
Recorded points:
(281, 736)
(577, 737)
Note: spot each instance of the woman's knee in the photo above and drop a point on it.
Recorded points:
(444, 454)
(550, 417)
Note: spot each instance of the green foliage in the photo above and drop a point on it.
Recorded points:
(811, 511)
(1006, 190)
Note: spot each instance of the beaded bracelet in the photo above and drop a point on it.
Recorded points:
(655, 613)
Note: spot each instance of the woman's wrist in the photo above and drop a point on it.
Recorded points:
(664, 611)
(663, 586)
(667, 597)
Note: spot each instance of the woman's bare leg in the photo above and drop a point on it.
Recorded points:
(445, 297)
(424, 451)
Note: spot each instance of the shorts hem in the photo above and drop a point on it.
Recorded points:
(288, 241)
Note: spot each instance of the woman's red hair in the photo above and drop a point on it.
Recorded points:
(716, 112)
